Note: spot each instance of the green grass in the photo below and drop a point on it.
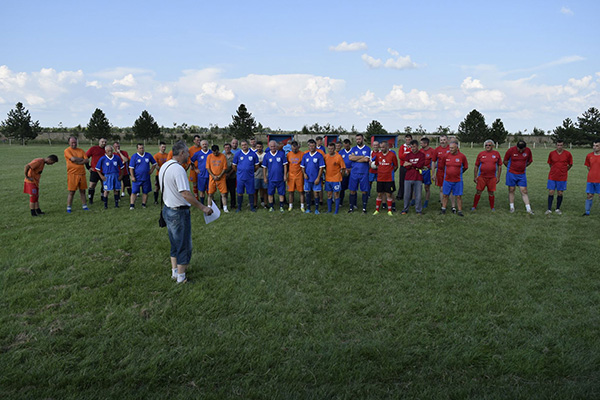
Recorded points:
(299, 306)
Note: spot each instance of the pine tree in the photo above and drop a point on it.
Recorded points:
(569, 133)
(589, 125)
(497, 132)
(18, 125)
(473, 128)
(374, 128)
(98, 127)
(243, 125)
(145, 127)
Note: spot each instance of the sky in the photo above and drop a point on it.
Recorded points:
(346, 63)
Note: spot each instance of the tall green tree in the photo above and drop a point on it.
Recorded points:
(19, 126)
(589, 125)
(243, 125)
(569, 133)
(145, 127)
(497, 132)
(375, 128)
(98, 127)
(473, 128)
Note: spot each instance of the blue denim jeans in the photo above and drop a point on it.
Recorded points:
(179, 225)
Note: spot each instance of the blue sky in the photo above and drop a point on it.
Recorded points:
(402, 63)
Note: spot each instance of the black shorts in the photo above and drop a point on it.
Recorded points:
(385, 187)
(126, 181)
(94, 177)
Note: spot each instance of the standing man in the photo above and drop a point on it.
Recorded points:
(517, 159)
(109, 168)
(259, 175)
(429, 156)
(373, 171)
(560, 162)
(95, 153)
(453, 164)
(402, 151)
(440, 152)
(33, 173)
(216, 165)
(234, 146)
(199, 166)
(230, 175)
(124, 178)
(592, 162)
(345, 153)
(275, 168)
(141, 166)
(245, 163)
(176, 211)
(253, 144)
(334, 169)
(160, 158)
(320, 147)
(76, 159)
(414, 162)
(312, 166)
(295, 177)
(487, 172)
(193, 174)
(386, 163)
(359, 178)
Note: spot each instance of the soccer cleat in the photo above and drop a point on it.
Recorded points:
(453, 210)
(548, 212)
(85, 208)
(317, 212)
(512, 210)
(143, 206)
(403, 213)
(271, 209)
(156, 202)
(364, 210)
(473, 209)
(302, 209)
(557, 211)
(106, 206)
(226, 211)
(376, 212)
(281, 209)
(69, 210)
(426, 204)
(584, 214)
(131, 208)
(350, 211)
(390, 214)
(253, 210)
(530, 212)
(307, 211)
(123, 194)
(460, 214)
(493, 210)
(442, 211)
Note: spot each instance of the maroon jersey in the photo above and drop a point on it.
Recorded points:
(417, 161)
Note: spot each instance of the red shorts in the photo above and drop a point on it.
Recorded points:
(482, 183)
(32, 190)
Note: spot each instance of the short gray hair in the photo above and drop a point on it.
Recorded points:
(179, 147)
(489, 141)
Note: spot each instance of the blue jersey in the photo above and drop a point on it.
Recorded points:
(112, 165)
(245, 163)
(323, 149)
(311, 163)
(274, 164)
(200, 158)
(360, 168)
(141, 166)
(345, 153)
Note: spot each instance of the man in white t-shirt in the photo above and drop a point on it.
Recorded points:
(178, 198)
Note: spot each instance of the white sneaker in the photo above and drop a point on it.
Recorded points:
(557, 211)
(548, 212)
(512, 210)
(530, 212)
(226, 210)
(301, 208)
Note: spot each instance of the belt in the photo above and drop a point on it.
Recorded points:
(180, 208)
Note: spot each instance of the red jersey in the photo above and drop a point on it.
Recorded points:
(453, 166)
(413, 171)
(429, 155)
(559, 165)
(403, 150)
(386, 165)
(126, 169)
(373, 155)
(517, 162)
(95, 153)
(439, 152)
(488, 163)
(592, 161)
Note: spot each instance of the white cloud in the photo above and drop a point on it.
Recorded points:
(583, 83)
(128, 80)
(95, 84)
(486, 99)
(371, 61)
(397, 62)
(470, 83)
(566, 11)
(345, 46)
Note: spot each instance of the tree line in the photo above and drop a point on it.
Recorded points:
(19, 126)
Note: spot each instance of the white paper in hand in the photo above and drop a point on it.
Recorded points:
(215, 215)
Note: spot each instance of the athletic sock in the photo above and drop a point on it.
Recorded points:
(240, 198)
(588, 205)
(131, 205)
(117, 200)
(180, 277)
(528, 207)
(337, 205)
(365, 199)
(91, 193)
(476, 200)
(309, 200)
(129, 191)
(353, 200)
(389, 205)
(550, 200)
(512, 206)
(271, 204)
(317, 199)
(329, 204)
(105, 201)
(251, 200)
(174, 273)
(558, 202)
(492, 201)
(377, 204)
(156, 197)
(202, 199)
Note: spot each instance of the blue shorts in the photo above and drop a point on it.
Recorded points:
(427, 177)
(179, 226)
(259, 183)
(311, 187)
(372, 177)
(333, 186)
(516, 179)
(203, 184)
(592, 188)
(357, 181)
(280, 186)
(455, 188)
(556, 185)
(247, 184)
(112, 182)
(145, 185)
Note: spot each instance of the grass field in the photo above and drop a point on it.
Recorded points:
(492, 305)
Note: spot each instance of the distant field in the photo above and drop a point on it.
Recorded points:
(492, 305)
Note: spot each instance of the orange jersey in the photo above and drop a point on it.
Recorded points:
(294, 168)
(73, 168)
(185, 165)
(160, 159)
(333, 167)
(216, 164)
(35, 171)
